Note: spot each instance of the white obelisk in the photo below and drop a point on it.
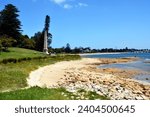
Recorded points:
(45, 50)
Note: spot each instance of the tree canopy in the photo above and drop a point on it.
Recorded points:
(10, 31)
(47, 25)
(10, 25)
(68, 48)
(39, 36)
(47, 21)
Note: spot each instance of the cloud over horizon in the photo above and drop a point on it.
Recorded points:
(68, 4)
(58, 1)
(82, 4)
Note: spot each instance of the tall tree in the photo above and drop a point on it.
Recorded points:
(39, 36)
(68, 48)
(10, 25)
(47, 25)
(47, 22)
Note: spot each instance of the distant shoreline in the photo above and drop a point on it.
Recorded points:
(101, 53)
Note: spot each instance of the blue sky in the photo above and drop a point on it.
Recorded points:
(88, 23)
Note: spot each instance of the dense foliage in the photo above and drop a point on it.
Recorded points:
(10, 31)
(10, 25)
(6, 42)
(39, 36)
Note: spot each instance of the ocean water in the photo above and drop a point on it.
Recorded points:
(119, 55)
(143, 64)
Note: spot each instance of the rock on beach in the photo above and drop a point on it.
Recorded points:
(84, 74)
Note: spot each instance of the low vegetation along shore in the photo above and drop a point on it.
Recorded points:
(17, 64)
(60, 77)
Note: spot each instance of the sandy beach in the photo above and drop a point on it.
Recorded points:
(84, 74)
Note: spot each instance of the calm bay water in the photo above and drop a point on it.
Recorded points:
(143, 64)
(119, 55)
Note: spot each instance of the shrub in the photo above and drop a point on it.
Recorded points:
(6, 42)
(14, 60)
(28, 58)
(10, 60)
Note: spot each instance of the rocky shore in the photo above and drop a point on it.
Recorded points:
(116, 84)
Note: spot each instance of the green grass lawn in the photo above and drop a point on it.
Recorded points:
(19, 53)
(13, 77)
(36, 93)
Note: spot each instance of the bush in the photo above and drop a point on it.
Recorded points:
(0, 46)
(14, 60)
(10, 60)
(58, 57)
(28, 58)
(6, 42)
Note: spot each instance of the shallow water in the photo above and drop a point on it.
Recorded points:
(143, 64)
(143, 77)
(136, 65)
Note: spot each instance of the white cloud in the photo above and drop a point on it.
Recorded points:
(68, 6)
(82, 4)
(58, 1)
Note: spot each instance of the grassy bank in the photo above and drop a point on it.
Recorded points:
(19, 53)
(36, 93)
(13, 75)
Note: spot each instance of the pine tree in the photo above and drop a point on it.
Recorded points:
(10, 25)
(47, 22)
(39, 36)
(68, 48)
(47, 25)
